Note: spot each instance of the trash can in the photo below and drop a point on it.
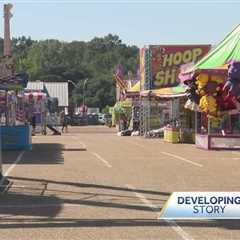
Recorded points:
(171, 135)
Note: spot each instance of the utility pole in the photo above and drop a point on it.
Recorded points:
(7, 51)
(75, 86)
(84, 83)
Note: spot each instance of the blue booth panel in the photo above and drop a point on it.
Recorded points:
(16, 137)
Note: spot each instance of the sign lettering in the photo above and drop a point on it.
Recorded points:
(167, 59)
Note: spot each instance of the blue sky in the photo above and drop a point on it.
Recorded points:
(136, 22)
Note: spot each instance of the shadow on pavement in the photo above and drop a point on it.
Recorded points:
(36, 204)
(42, 153)
(48, 207)
(98, 129)
(25, 205)
(233, 224)
(90, 185)
(76, 222)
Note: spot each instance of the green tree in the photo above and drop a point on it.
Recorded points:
(53, 60)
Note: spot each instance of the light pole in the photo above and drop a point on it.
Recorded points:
(73, 83)
(84, 84)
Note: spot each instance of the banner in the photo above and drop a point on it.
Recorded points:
(202, 205)
(167, 59)
(142, 67)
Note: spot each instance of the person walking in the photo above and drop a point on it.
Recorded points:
(33, 123)
(64, 122)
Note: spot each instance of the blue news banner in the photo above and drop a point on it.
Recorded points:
(203, 205)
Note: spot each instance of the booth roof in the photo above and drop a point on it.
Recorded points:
(57, 90)
(227, 50)
(178, 91)
(170, 92)
(35, 95)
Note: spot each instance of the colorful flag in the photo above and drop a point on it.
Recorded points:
(120, 78)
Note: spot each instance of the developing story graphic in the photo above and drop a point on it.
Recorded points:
(204, 205)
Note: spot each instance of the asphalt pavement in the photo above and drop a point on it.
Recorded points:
(91, 184)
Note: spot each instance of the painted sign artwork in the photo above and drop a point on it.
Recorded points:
(167, 59)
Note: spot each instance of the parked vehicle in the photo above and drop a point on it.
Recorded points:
(108, 119)
(79, 120)
(92, 119)
(101, 119)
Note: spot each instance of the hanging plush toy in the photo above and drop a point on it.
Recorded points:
(234, 70)
(213, 85)
(217, 78)
(191, 92)
(211, 88)
(201, 82)
(208, 104)
(232, 86)
(192, 95)
(191, 105)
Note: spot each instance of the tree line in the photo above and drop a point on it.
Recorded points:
(95, 60)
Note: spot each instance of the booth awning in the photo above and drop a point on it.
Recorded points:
(227, 50)
(135, 88)
(178, 91)
(134, 91)
(123, 104)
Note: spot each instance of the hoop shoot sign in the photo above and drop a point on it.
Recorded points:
(167, 59)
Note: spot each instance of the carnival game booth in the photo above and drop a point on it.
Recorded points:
(125, 114)
(168, 117)
(35, 104)
(15, 134)
(15, 130)
(162, 94)
(214, 94)
(25, 115)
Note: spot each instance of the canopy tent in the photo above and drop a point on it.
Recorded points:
(227, 50)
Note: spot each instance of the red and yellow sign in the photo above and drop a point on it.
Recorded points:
(167, 59)
(142, 67)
